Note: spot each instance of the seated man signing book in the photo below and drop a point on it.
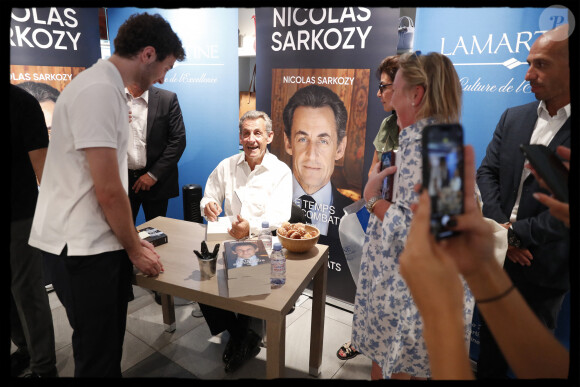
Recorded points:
(253, 186)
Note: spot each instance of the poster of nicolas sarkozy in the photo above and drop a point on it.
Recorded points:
(319, 118)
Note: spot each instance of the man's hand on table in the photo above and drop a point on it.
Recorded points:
(147, 261)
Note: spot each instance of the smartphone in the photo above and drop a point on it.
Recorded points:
(443, 167)
(550, 168)
(388, 160)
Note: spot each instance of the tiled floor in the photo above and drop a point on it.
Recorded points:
(191, 352)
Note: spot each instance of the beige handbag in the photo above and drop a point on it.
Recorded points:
(500, 240)
(499, 233)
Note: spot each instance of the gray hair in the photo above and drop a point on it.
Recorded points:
(254, 115)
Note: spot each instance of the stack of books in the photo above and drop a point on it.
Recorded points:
(247, 267)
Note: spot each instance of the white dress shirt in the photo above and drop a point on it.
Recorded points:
(265, 193)
(137, 150)
(544, 131)
(252, 261)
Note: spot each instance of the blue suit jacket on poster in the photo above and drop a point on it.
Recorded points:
(498, 179)
(341, 284)
(339, 201)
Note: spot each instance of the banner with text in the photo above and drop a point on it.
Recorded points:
(49, 47)
(326, 54)
(203, 84)
(488, 47)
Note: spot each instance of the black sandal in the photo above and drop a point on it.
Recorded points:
(348, 351)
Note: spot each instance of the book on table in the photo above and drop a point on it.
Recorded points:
(247, 267)
(152, 235)
(218, 230)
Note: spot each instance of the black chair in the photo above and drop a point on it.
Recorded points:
(192, 195)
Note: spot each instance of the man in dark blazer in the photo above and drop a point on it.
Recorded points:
(153, 174)
(537, 259)
(156, 144)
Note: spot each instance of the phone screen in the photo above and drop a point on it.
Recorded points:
(443, 174)
(388, 160)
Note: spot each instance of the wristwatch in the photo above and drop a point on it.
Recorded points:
(513, 239)
(371, 203)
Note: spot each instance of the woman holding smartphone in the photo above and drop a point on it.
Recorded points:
(386, 324)
(387, 139)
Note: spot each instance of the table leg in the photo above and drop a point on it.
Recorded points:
(276, 349)
(168, 309)
(317, 321)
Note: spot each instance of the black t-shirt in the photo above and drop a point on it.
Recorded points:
(28, 133)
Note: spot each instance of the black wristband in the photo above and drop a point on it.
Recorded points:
(495, 298)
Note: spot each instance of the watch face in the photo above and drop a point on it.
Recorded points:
(371, 203)
(512, 238)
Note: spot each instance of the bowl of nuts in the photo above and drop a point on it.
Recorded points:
(297, 237)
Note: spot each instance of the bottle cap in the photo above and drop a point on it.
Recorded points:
(277, 246)
(265, 224)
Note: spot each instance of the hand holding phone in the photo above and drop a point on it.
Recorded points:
(549, 167)
(442, 148)
(388, 160)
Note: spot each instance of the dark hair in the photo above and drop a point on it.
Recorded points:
(316, 97)
(389, 66)
(238, 244)
(41, 91)
(142, 30)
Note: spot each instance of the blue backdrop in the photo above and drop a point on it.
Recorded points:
(206, 84)
(489, 47)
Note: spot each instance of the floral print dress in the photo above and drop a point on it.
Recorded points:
(387, 327)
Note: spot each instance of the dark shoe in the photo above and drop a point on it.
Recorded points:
(157, 298)
(248, 349)
(231, 347)
(19, 361)
(347, 351)
(51, 374)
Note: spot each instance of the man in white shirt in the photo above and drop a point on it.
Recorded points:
(253, 186)
(83, 217)
(537, 259)
(156, 143)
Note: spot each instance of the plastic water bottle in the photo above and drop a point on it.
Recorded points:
(278, 267)
(266, 236)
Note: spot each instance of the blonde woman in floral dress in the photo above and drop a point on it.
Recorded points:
(387, 326)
